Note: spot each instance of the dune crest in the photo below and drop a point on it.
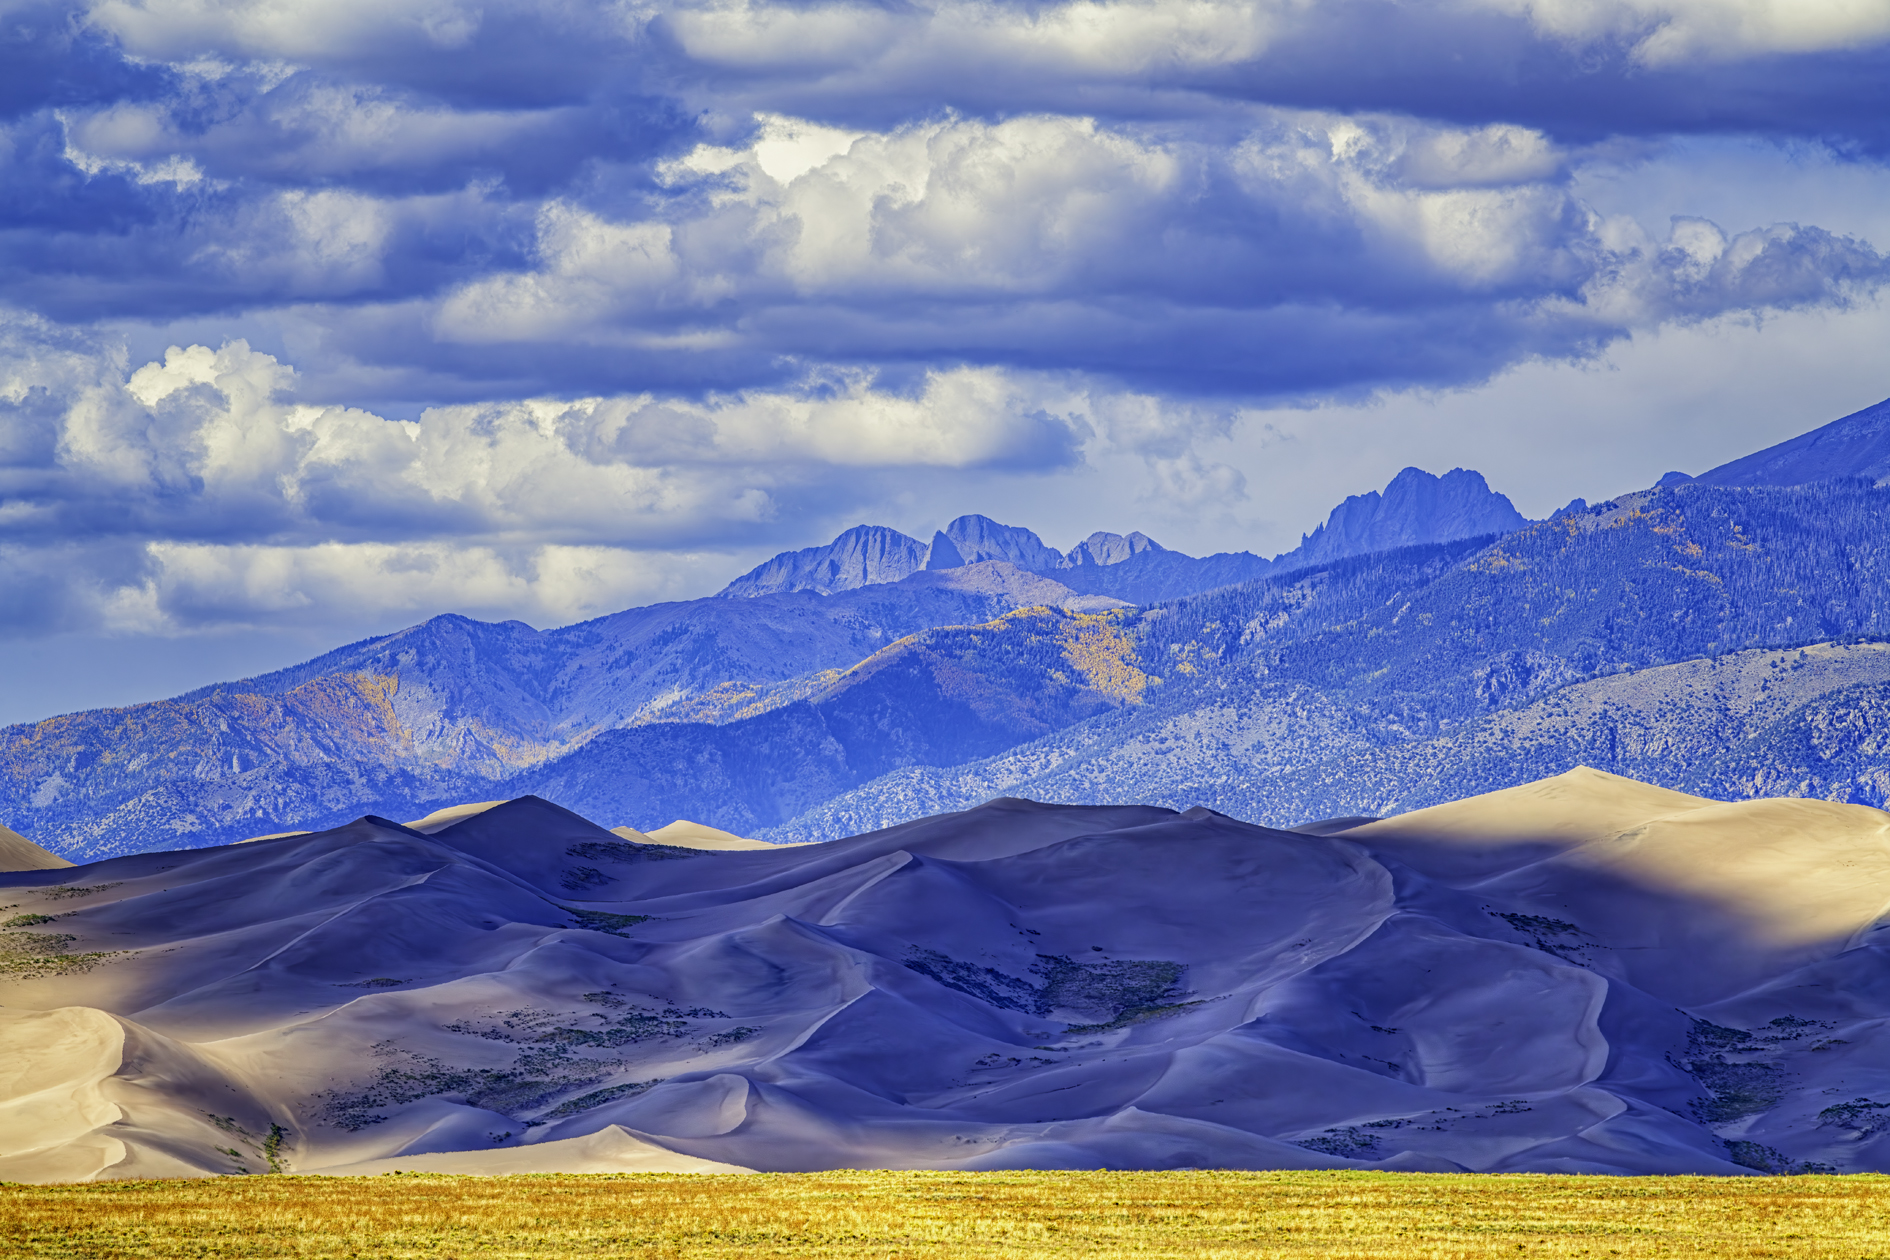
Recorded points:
(694, 835)
(441, 819)
(1581, 975)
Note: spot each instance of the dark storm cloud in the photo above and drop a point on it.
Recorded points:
(459, 193)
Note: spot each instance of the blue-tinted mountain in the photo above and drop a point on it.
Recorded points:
(1273, 689)
(970, 539)
(938, 698)
(1154, 576)
(446, 708)
(1856, 446)
(1722, 641)
(1102, 548)
(1415, 508)
(865, 555)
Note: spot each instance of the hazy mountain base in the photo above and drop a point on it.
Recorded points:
(1810, 722)
(1582, 975)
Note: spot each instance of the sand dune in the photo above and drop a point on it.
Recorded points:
(441, 819)
(609, 1150)
(695, 835)
(1584, 974)
(17, 853)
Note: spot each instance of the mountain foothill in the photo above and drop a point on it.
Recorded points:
(1446, 840)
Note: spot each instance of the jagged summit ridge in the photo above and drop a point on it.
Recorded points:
(870, 555)
(1416, 508)
(866, 555)
(1106, 548)
(970, 539)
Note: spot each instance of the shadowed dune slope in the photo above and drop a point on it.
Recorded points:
(1585, 974)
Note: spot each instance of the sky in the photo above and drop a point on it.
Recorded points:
(319, 319)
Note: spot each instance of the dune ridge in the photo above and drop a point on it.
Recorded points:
(1584, 974)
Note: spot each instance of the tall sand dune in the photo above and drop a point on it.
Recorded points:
(1585, 974)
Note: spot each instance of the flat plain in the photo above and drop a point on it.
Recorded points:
(1013, 1215)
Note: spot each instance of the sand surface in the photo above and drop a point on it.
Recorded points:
(609, 1150)
(1581, 975)
(695, 835)
(17, 853)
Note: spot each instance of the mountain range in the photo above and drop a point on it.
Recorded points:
(1415, 508)
(1577, 863)
(1582, 975)
(1715, 634)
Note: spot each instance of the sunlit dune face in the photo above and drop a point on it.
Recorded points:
(1798, 871)
(1794, 872)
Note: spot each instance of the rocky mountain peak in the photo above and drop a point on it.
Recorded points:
(970, 539)
(1417, 507)
(1105, 548)
(865, 555)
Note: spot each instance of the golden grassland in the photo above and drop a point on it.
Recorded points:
(1013, 1215)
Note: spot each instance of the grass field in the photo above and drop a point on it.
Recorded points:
(1011, 1215)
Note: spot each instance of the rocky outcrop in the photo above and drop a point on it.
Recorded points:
(1416, 508)
(865, 555)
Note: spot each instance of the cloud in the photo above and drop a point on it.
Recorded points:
(541, 302)
(196, 490)
(211, 443)
(1305, 252)
(1662, 32)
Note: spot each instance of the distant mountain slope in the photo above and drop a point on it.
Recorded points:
(1156, 575)
(1856, 446)
(434, 711)
(1811, 722)
(940, 697)
(1581, 975)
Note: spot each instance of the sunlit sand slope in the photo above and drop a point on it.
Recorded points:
(1585, 974)
(17, 853)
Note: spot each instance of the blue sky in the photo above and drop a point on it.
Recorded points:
(317, 319)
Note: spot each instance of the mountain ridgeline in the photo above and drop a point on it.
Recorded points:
(1717, 634)
(1415, 508)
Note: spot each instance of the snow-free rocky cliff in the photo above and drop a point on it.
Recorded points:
(1586, 974)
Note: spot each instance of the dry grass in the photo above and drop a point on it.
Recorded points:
(1013, 1215)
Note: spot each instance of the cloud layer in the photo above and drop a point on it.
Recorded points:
(650, 281)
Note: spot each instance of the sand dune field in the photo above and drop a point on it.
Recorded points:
(1584, 974)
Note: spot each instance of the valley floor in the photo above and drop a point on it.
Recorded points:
(953, 1214)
